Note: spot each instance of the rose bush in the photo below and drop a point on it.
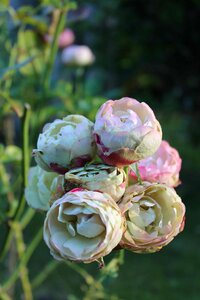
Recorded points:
(65, 143)
(83, 226)
(163, 166)
(154, 216)
(125, 131)
(104, 178)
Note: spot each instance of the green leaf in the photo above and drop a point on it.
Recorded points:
(29, 45)
(11, 104)
(10, 154)
(63, 4)
(16, 67)
(4, 4)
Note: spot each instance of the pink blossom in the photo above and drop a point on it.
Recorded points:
(125, 131)
(66, 38)
(163, 166)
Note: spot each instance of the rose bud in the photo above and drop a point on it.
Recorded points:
(83, 226)
(163, 166)
(154, 216)
(64, 144)
(103, 178)
(125, 131)
(75, 55)
(65, 39)
(42, 188)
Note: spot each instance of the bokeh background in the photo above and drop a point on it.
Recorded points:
(148, 50)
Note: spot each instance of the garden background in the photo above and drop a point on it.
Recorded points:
(144, 50)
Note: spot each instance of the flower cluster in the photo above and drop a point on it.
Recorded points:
(92, 208)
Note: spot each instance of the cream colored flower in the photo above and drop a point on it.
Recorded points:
(103, 178)
(41, 189)
(154, 216)
(76, 55)
(125, 131)
(83, 226)
(65, 143)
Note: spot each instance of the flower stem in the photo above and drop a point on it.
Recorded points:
(60, 22)
(4, 295)
(24, 260)
(138, 173)
(50, 267)
(25, 160)
(23, 271)
(25, 167)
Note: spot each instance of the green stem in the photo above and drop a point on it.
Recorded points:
(49, 268)
(138, 173)
(53, 49)
(25, 167)
(127, 170)
(13, 56)
(24, 260)
(4, 296)
(29, 214)
(82, 272)
(23, 271)
(25, 160)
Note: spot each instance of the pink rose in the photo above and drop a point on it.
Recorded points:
(125, 131)
(163, 166)
(66, 38)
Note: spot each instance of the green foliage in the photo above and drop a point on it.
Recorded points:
(10, 154)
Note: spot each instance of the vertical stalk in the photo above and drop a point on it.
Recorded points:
(59, 25)
(25, 160)
(23, 271)
(138, 173)
(25, 167)
(24, 260)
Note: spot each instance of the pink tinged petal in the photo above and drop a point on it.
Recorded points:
(116, 159)
(58, 169)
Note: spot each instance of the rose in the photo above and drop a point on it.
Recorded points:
(65, 39)
(154, 216)
(104, 178)
(65, 143)
(41, 188)
(83, 226)
(126, 131)
(163, 166)
(77, 56)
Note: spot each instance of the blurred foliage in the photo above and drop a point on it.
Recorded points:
(146, 50)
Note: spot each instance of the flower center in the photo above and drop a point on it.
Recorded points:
(81, 222)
